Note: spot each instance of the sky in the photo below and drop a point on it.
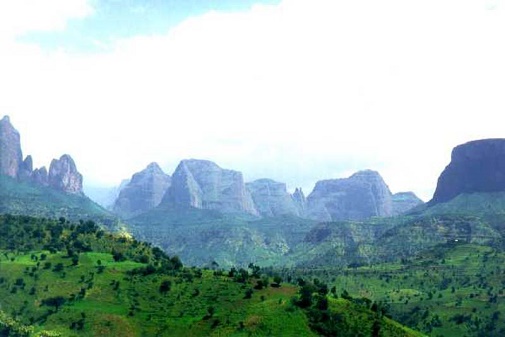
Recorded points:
(293, 90)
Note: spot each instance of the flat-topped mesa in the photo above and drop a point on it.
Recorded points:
(63, 175)
(143, 192)
(271, 198)
(476, 166)
(11, 156)
(203, 184)
(361, 196)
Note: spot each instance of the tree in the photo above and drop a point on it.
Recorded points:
(305, 296)
(59, 267)
(176, 262)
(75, 260)
(277, 281)
(165, 286)
(210, 312)
(118, 256)
(248, 293)
(214, 265)
(255, 270)
(55, 302)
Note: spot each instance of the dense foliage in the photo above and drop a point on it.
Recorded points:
(454, 289)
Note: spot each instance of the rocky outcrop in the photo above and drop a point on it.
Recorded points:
(477, 166)
(404, 202)
(26, 169)
(40, 176)
(271, 198)
(63, 175)
(11, 157)
(361, 196)
(203, 184)
(144, 192)
(300, 201)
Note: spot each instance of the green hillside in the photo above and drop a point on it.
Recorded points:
(455, 289)
(24, 198)
(490, 207)
(77, 280)
(200, 237)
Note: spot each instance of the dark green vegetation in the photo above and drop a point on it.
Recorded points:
(455, 289)
(63, 279)
(200, 237)
(26, 198)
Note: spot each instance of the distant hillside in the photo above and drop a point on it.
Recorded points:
(202, 236)
(52, 194)
(452, 290)
(26, 198)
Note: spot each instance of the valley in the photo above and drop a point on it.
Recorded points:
(202, 252)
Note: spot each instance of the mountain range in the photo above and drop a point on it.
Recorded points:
(202, 184)
(433, 266)
(206, 213)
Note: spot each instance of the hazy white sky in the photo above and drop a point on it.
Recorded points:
(294, 90)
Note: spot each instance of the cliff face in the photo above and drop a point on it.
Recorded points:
(300, 201)
(144, 192)
(202, 184)
(361, 196)
(477, 166)
(63, 175)
(271, 198)
(11, 157)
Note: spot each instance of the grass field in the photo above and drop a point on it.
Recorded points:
(453, 290)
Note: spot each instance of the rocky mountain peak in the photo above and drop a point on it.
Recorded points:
(476, 166)
(11, 156)
(271, 198)
(203, 184)
(63, 175)
(26, 169)
(40, 176)
(143, 192)
(361, 196)
(153, 167)
(300, 200)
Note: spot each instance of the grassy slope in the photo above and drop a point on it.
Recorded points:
(452, 290)
(490, 207)
(23, 198)
(118, 303)
(389, 239)
(108, 311)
